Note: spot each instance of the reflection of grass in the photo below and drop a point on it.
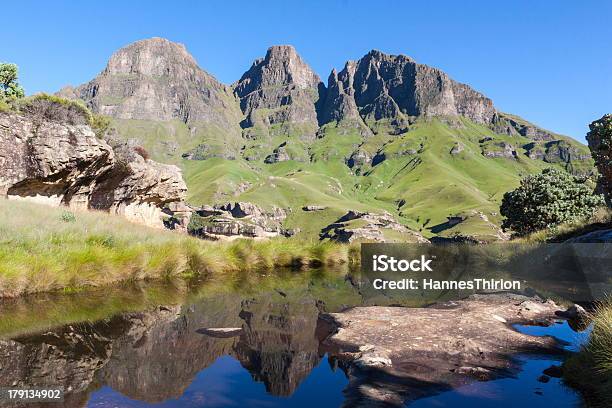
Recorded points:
(591, 370)
(44, 311)
(40, 312)
(41, 251)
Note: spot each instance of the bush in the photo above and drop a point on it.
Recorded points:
(43, 107)
(600, 143)
(10, 89)
(67, 216)
(196, 223)
(100, 124)
(4, 107)
(548, 200)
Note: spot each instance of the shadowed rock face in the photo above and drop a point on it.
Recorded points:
(156, 79)
(280, 89)
(395, 87)
(59, 164)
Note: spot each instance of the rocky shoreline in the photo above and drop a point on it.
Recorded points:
(395, 354)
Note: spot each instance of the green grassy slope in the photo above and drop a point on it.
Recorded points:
(415, 176)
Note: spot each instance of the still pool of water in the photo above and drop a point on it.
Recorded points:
(524, 390)
(227, 384)
(146, 348)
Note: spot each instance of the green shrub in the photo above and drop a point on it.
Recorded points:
(548, 200)
(600, 143)
(196, 223)
(67, 216)
(10, 89)
(43, 107)
(100, 124)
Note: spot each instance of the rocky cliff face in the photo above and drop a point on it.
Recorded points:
(280, 89)
(61, 164)
(281, 97)
(156, 79)
(394, 88)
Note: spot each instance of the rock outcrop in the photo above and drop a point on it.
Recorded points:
(238, 220)
(394, 88)
(393, 355)
(499, 150)
(513, 125)
(485, 231)
(280, 90)
(60, 164)
(602, 236)
(369, 227)
(156, 79)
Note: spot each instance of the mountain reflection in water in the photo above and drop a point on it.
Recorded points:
(161, 354)
(155, 355)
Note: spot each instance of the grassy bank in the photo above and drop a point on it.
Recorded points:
(590, 371)
(48, 249)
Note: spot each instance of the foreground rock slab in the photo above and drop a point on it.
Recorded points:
(395, 354)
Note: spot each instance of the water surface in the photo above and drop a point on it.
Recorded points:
(146, 347)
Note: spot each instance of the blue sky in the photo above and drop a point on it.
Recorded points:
(549, 61)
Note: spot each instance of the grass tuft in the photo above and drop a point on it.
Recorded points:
(51, 249)
(590, 371)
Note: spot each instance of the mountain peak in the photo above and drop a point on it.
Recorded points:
(282, 66)
(153, 56)
(157, 79)
(286, 51)
(379, 55)
(395, 87)
(280, 88)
